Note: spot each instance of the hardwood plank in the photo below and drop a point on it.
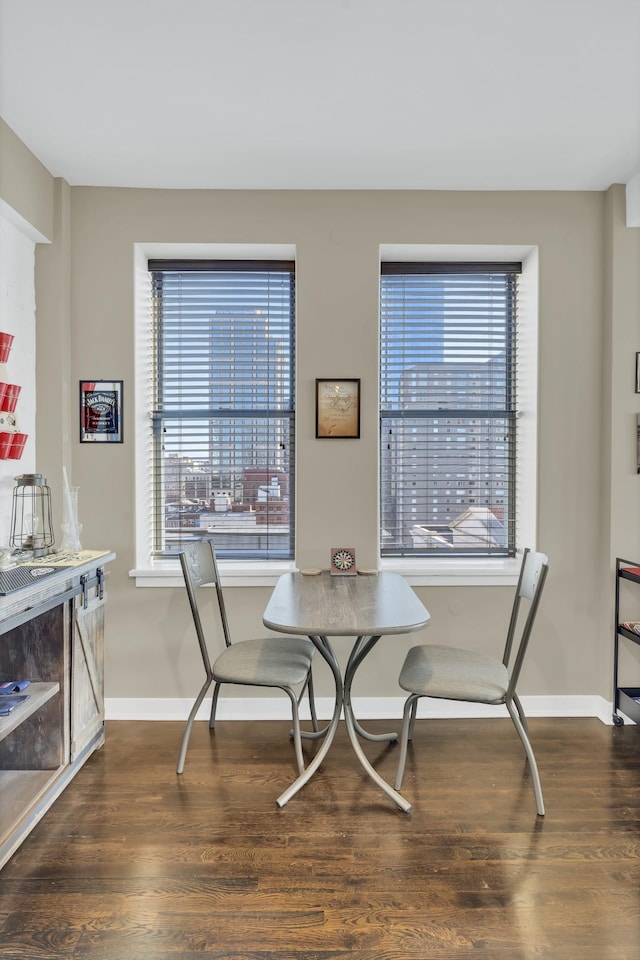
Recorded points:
(135, 862)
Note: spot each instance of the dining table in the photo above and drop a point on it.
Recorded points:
(363, 607)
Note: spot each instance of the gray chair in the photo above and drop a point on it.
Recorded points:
(451, 673)
(282, 662)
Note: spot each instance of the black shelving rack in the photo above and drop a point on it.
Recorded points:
(625, 699)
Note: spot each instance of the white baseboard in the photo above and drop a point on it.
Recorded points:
(365, 708)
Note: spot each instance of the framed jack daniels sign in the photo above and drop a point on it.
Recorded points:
(101, 411)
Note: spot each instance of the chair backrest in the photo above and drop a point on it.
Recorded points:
(199, 568)
(533, 573)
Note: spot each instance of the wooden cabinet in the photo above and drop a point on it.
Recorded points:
(52, 634)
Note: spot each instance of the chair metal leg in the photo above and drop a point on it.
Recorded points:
(297, 740)
(414, 711)
(523, 719)
(214, 706)
(533, 766)
(408, 718)
(315, 733)
(187, 730)
(312, 702)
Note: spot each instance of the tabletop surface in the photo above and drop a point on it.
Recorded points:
(326, 605)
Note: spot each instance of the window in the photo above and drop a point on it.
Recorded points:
(448, 427)
(223, 406)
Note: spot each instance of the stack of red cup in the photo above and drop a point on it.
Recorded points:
(12, 442)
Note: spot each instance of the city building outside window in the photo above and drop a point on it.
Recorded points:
(223, 406)
(448, 418)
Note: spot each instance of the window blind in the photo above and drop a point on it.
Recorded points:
(448, 386)
(223, 407)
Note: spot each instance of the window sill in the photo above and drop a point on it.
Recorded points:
(419, 572)
(233, 573)
(455, 571)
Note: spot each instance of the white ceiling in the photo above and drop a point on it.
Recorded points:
(318, 94)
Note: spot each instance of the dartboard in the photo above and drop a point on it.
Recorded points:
(343, 560)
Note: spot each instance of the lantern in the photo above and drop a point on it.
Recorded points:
(31, 526)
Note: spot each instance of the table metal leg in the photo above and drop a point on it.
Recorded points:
(313, 734)
(361, 648)
(327, 653)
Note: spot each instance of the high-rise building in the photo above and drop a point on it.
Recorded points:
(439, 464)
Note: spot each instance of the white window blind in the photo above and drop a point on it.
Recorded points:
(448, 427)
(223, 409)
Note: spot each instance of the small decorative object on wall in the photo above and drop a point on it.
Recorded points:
(338, 409)
(343, 561)
(637, 372)
(101, 411)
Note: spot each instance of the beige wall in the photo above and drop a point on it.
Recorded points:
(55, 424)
(621, 406)
(588, 316)
(25, 185)
(337, 237)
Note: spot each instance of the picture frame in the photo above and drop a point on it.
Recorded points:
(101, 411)
(638, 372)
(338, 408)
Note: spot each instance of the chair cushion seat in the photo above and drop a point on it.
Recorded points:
(451, 673)
(269, 662)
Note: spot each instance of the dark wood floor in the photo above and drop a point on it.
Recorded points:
(135, 863)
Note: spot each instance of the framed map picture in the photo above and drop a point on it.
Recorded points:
(101, 411)
(338, 409)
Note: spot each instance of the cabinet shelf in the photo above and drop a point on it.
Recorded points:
(625, 699)
(629, 634)
(629, 702)
(38, 693)
(22, 794)
(629, 572)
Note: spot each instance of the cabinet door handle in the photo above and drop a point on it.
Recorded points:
(83, 584)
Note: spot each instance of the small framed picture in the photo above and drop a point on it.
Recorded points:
(338, 409)
(637, 372)
(101, 411)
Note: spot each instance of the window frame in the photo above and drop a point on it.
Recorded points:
(498, 395)
(150, 571)
(439, 571)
